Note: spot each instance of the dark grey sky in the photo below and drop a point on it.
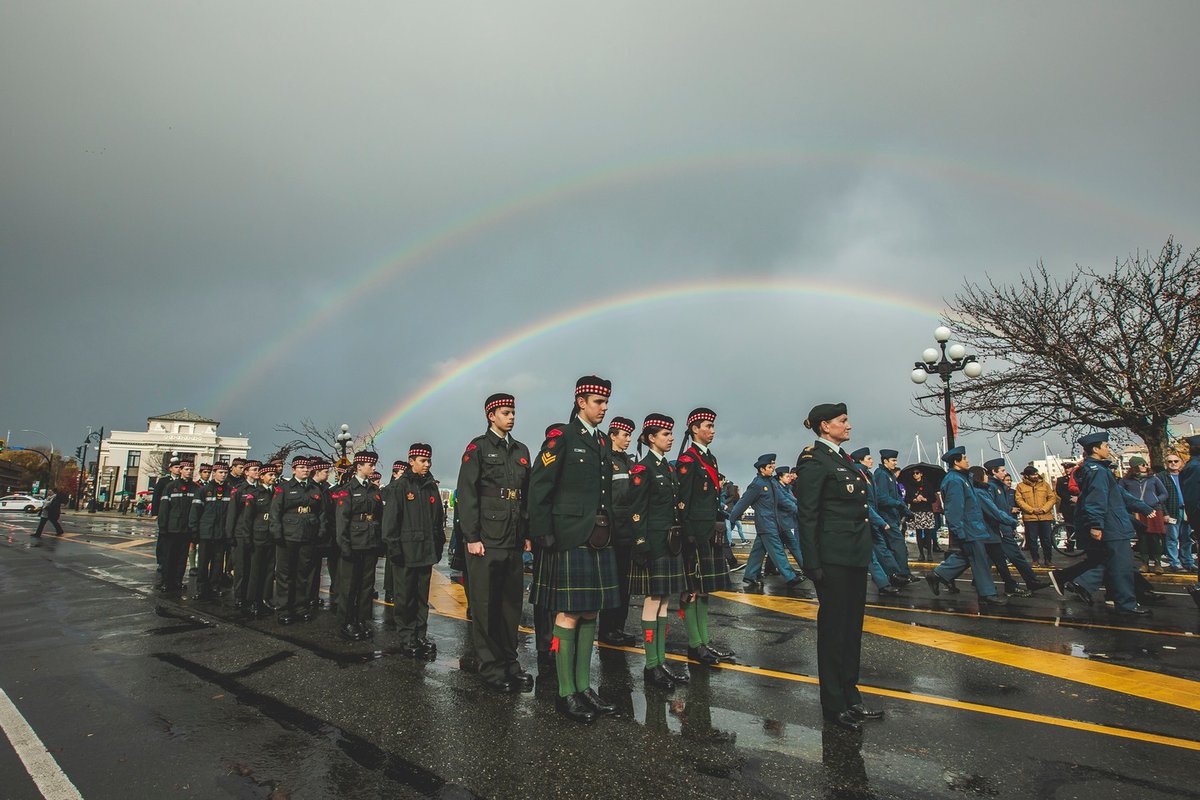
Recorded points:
(268, 211)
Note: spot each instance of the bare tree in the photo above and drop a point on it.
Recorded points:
(309, 437)
(1113, 350)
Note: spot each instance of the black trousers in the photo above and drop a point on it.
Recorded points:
(843, 596)
(1000, 562)
(175, 555)
(496, 583)
(612, 620)
(262, 563)
(58, 531)
(332, 556)
(356, 579)
(210, 555)
(410, 597)
(293, 574)
(243, 551)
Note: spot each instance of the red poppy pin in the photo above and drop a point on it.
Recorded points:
(524, 461)
(550, 444)
(432, 500)
(637, 481)
(466, 459)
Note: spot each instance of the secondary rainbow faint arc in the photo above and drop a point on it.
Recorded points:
(494, 215)
(658, 294)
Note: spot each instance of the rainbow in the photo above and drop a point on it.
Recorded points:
(668, 293)
(244, 372)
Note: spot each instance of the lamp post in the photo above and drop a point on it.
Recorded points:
(50, 460)
(945, 363)
(96, 437)
(343, 439)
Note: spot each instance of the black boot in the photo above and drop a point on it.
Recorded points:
(575, 708)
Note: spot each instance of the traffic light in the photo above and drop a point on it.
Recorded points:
(79, 453)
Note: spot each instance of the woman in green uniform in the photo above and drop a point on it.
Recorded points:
(657, 569)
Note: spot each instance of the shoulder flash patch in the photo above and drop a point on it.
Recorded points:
(634, 470)
(685, 457)
(553, 432)
(471, 446)
(278, 490)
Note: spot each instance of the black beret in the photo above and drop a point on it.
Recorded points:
(863, 452)
(823, 413)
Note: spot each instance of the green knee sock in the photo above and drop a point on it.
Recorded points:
(583, 653)
(660, 637)
(650, 640)
(692, 623)
(563, 646)
(702, 618)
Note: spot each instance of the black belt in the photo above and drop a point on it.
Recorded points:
(502, 493)
(363, 517)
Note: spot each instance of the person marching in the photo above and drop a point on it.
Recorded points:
(174, 519)
(657, 569)
(703, 534)
(210, 511)
(612, 620)
(968, 532)
(882, 569)
(891, 507)
(763, 495)
(831, 500)
(358, 513)
(414, 533)
(570, 511)
(492, 492)
(296, 523)
(243, 544)
(1008, 501)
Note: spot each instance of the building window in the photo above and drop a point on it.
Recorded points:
(134, 459)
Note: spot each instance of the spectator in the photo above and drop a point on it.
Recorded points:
(1151, 528)
(1178, 529)
(1036, 501)
(50, 512)
(924, 492)
(729, 497)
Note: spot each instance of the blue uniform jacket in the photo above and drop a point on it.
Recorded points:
(888, 502)
(997, 519)
(787, 507)
(1103, 504)
(765, 495)
(1004, 499)
(963, 511)
(876, 519)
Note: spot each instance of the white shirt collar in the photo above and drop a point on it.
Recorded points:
(834, 447)
(702, 448)
(591, 429)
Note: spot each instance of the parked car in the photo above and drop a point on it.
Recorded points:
(21, 502)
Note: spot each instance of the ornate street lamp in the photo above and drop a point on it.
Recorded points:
(945, 363)
(343, 439)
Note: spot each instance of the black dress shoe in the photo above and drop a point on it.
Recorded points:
(367, 630)
(349, 633)
(305, 616)
(1035, 585)
(888, 589)
(360, 633)
(238, 605)
(1194, 591)
(914, 579)
(468, 664)
(935, 583)
(862, 712)
(676, 675)
(523, 680)
(656, 678)
(285, 618)
(751, 585)
(993, 600)
(704, 656)
(898, 580)
(1150, 598)
(428, 649)
(845, 720)
(720, 652)
(796, 581)
(269, 606)
(502, 686)
(575, 708)
(596, 702)
(1136, 611)
(1080, 592)
(411, 650)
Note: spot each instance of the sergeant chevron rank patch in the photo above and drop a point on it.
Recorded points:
(548, 459)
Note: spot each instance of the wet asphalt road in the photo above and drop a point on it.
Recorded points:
(138, 697)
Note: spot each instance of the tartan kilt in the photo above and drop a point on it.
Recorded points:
(662, 577)
(705, 568)
(580, 579)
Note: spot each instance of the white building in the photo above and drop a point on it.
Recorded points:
(131, 461)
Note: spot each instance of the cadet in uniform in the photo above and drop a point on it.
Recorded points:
(243, 542)
(657, 571)
(398, 468)
(968, 532)
(491, 511)
(891, 507)
(835, 535)
(174, 520)
(160, 546)
(209, 513)
(763, 495)
(611, 629)
(358, 510)
(296, 527)
(703, 534)
(254, 529)
(1005, 500)
(543, 617)
(1104, 513)
(326, 549)
(883, 562)
(236, 479)
(414, 533)
(570, 511)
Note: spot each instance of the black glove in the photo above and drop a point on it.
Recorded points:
(815, 574)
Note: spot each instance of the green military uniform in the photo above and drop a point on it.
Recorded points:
(570, 511)
(657, 547)
(835, 539)
(358, 511)
(611, 628)
(208, 517)
(491, 507)
(414, 535)
(296, 527)
(253, 530)
(243, 547)
(174, 519)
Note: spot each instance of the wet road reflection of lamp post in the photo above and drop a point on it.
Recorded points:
(949, 360)
(343, 439)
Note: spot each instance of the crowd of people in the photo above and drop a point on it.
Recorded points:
(603, 524)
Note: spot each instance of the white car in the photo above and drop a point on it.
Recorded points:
(21, 502)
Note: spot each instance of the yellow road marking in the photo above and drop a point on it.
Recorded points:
(449, 600)
(1126, 680)
(1057, 623)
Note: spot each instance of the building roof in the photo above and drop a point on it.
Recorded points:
(183, 416)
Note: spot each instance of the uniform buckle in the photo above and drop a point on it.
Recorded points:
(510, 494)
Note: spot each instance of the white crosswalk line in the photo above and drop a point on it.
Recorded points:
(51, 781)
